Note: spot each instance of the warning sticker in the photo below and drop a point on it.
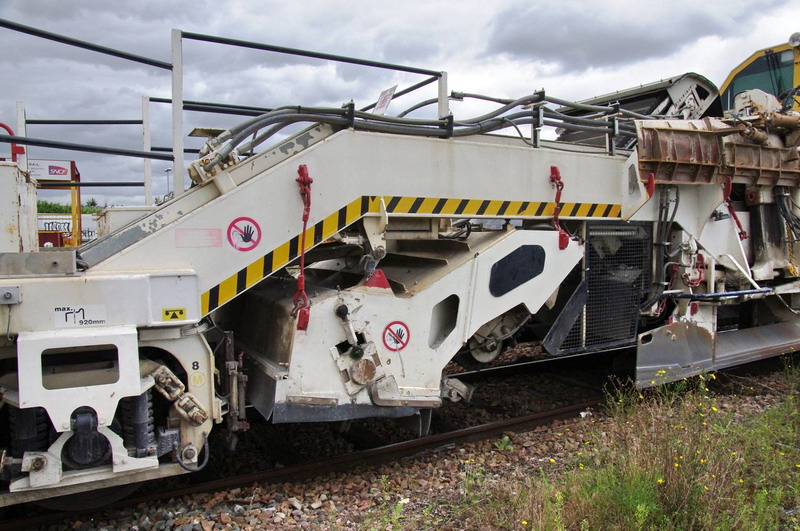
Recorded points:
(396, 335)
(173, 314)
(244, 234)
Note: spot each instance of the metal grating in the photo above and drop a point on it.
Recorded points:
(617, 263)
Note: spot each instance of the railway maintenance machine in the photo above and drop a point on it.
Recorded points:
(334, 274)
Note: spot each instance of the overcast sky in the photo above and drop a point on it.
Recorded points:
(575, 49)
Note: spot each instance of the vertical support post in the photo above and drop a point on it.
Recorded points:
(148, 164)
(22, 123)
(444, 102)
(177, 111)
(536, 126)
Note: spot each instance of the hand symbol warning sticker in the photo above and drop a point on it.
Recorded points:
(396, 336)
(244, 234)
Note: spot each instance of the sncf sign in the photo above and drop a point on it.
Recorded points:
(50, 170)
(57, 170)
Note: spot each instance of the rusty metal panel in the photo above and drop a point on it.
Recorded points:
(709, 151)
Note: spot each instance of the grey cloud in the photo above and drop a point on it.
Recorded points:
(576, 36)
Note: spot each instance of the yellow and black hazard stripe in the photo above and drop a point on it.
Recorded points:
(348, 214)
(492, 208)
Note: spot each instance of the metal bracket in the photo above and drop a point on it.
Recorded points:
(455, 390)
(10, 295)
(173, 390)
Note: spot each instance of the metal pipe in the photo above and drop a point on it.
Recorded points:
(192, 105)
(166, 149)
(85, 122)
(14, 148)
(71, 184)
(403, 92)
(177, 111)
(40, 142)
(307, 53)
(83, 44)
(147, 165)
(721, 295)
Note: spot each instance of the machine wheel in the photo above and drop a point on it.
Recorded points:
(475, 356)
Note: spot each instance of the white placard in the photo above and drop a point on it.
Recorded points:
(384, 100)
(50, 170)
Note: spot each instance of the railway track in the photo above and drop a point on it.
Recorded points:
(369, 455)
(370, 451)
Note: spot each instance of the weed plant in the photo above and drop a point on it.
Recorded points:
(673, 457)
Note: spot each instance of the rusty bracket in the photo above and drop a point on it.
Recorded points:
(173, 390)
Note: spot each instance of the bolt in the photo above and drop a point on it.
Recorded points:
(38, 463)
(65, 425)
(189, 453)
(7, 295)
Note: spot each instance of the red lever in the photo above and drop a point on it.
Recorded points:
(15, 148)
(301, 308)
(563, 237)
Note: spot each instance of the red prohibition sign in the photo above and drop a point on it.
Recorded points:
(244, 234)
(396, 336)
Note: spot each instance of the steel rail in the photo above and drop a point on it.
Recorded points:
(336, 464)
(88, 185)
(307, 53)
(4, 23)
(40, 142)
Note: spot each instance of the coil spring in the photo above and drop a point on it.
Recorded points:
(138, 424)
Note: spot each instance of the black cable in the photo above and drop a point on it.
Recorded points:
(200, 466)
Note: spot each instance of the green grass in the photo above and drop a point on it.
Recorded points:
(673, 459)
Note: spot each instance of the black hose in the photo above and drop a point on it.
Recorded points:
(200, 466)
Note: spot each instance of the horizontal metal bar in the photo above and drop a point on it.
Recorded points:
(40, 142)
(308, 53)
(84, 122)
(83, 44)
(405, 91)
(69, 184)
(719, 295)
(220, 110)
(169, 149)
(198, 104)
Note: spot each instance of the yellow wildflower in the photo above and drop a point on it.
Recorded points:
(660, 481)
(714, 408)
(552, 460)
(652, 382)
